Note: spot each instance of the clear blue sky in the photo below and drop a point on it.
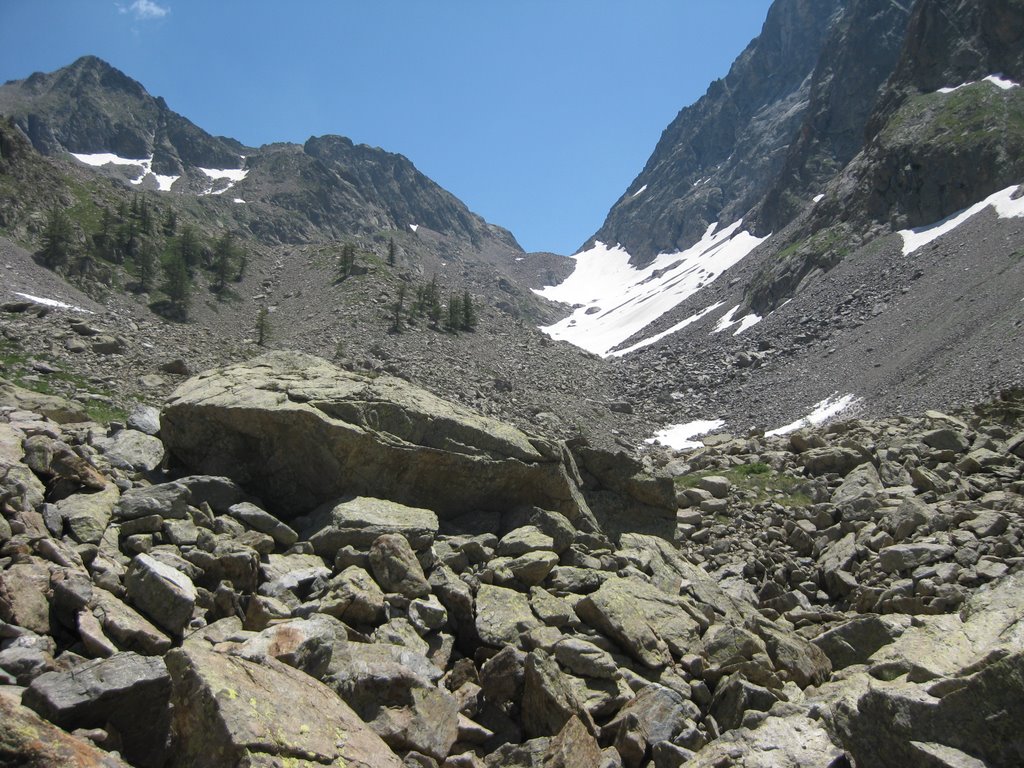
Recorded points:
(536, 113)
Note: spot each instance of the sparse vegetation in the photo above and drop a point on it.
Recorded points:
(759, 481)
(262, 326)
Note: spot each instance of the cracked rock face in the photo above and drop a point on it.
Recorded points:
(302, 432)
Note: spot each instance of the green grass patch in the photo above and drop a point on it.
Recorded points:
(760, 482)
(16, 367)
(971, 114)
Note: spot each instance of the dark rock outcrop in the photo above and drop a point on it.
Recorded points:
(719, 156)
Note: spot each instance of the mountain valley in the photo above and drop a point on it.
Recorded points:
(302, 462)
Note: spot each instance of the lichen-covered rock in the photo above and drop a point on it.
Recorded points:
(126, 691)
(28, 741)
(230, 711)
(301, 432)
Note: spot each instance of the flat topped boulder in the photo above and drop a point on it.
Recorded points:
(300, 432)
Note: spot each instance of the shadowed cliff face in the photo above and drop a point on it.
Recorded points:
(718, 156)
(843, 93)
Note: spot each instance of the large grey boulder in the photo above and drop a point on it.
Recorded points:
(229, 710)
(392, 690)
(503, 615)
(975, 718)
(127, 691)
(300, 432)
(794, 741)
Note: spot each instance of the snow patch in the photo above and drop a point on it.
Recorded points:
(639, 191)
(745, 322)
(1006, 207)
(231, 175)
(819, 198)
(822, 412)
(615, 300)
(997, 80)
(100, 159)
(52, 303)
(238, 200)
(658, 337)
(163, 183)
(680, 436)
(414, 227)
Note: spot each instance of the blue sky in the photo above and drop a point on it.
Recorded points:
(536, 113)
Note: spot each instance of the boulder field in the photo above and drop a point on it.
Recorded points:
(296, 566)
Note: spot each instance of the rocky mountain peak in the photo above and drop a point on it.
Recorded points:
(716, 158)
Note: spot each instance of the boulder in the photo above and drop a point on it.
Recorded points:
(28, 741)
(549, 702)
(794, 741)
(396, 568)
(163, 593)
(392, 689)
(905, 557)
(126, 627)
(656, 714)
(301, 432)
(645, 621)
(831, 460)
(23, 590)
(230, 711)
(357, 522)
(169, 500)
(734, 696)
(87, 515)
(978, 716)
(126, 691)
(354, 597)
(858, 493)
(854, 641)
(264, 522)
(502, 615)
(132, 450)
(53, 407)
(306, 644)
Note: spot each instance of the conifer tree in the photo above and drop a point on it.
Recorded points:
(103, 241)
(56, 248)
(146, 263)
(432, 300)
(396, 324)
(391, 252)
(346, 262)
(170, 225)
(224, 256)
(188, 247)
(468, 312)
(262, 326)
(454, 313)
(177, 285)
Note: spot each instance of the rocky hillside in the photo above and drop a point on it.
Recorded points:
(100, 115)
(867, 264)
(419, 585)
(294, 212)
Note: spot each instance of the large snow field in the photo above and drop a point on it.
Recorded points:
(615, 300)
